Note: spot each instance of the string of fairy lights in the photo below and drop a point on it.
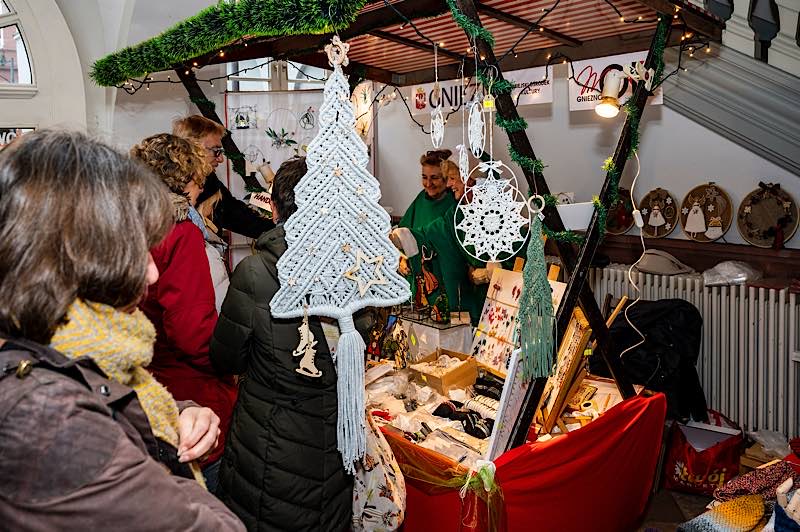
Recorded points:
(689, 45)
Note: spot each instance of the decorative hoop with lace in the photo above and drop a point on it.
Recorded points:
(492, 218)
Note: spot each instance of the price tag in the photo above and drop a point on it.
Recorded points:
(488, 102)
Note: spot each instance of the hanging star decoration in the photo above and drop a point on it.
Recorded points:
(377, 275)
(493, 224)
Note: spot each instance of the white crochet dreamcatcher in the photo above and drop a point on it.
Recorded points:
(339, 258)
(492, 219)
(477, 124)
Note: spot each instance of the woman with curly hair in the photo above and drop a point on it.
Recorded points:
(181, 303)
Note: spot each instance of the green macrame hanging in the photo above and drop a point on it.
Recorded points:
(536, 321)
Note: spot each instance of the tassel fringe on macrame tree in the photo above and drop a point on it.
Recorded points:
(339, 258)
(536, 318)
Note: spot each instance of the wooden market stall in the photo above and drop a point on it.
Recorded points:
(394, 42)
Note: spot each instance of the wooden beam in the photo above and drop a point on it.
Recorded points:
(695, 18)
(385, 35)
(520, 22)
(615, 44)
(520, 142)
(207, 109)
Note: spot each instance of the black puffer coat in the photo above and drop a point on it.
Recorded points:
(281, 469)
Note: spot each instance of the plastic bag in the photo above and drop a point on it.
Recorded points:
(730, 272)
(774, 443)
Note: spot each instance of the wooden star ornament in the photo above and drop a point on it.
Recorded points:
(377, 275)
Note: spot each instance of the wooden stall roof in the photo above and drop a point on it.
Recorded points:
(386, 49)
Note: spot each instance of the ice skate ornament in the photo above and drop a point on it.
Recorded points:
(306, 349)
(437, 127)
(494, 224)
(339, 258)
(477, 126)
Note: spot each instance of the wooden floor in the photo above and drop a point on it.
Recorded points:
(668, 509)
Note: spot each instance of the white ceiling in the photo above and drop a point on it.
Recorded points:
(151, 17)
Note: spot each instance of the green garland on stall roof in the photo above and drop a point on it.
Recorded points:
(199, 102)
(220, 25)
(473, 30)
(659, 46)
(511, 126)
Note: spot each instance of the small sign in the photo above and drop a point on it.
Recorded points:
(262, 200)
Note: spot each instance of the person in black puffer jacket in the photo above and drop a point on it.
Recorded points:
(281, 469)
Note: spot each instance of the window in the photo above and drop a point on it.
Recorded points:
(305, 77)
(15, 68)
(4, 9)
(255, 75)
(251, 75)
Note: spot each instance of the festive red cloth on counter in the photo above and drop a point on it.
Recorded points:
(597, 478)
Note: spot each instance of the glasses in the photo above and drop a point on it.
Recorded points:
(216, 152)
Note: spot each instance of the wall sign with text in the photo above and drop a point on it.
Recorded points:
(587, 74)
(8, 134)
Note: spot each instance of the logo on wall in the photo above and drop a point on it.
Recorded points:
(419, 100)
(8, 135)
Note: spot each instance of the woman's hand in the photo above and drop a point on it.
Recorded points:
(198, 433)
(403, 268)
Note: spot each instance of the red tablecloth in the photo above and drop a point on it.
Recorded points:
(597, 478)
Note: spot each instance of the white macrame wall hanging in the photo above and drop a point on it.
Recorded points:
(339, 258)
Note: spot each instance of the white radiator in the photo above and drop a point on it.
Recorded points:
(749, 361)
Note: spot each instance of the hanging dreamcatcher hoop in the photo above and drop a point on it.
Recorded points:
(492, 218)
(282, 138)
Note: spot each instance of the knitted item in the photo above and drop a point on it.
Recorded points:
(761, 482)
(738, 515)
(121, 344)
(339, 258)
(536, 323)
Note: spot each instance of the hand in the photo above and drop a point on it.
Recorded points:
(792, 507)
(198, 433)
(403, 268)
(479, 275)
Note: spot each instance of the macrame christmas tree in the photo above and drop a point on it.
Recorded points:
(339, 257)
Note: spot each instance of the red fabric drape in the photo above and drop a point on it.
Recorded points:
(597, 478)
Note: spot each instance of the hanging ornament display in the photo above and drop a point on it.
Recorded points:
(492, 218)
(308, 119)
(339, 258)
(706, 213)
(536, 321)
(463, 162)
(463, 156)
(659, 213)
(768, 216)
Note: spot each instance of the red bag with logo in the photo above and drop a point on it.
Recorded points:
(703, 457)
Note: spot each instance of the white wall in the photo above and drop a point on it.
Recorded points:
(676, 154)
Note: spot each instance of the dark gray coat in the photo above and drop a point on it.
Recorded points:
(281, 469)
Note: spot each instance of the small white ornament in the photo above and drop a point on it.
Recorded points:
(437, 127)
(685, 210)
(477, 128)
(496, 221)
(306, 349)
(463, 162)
(710, 208)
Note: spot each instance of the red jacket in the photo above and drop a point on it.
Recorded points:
(181, 306)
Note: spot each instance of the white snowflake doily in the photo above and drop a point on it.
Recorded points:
(477, 127)
(492, 219)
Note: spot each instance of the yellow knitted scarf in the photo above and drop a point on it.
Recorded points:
(121, 344)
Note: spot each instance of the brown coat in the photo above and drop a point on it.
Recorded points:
(76, 454)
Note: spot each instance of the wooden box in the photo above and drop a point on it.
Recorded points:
(459, 377)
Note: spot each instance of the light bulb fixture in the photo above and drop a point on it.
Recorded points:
(610, 90)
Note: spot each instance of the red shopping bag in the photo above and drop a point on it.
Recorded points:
(702, 457)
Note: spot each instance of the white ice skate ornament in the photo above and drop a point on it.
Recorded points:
(477, 126)
(306, 349)
(494, 218)
(339, 258)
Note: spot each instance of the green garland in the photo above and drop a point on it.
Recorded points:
(473, 30)
(218, 26)
(633, 116)
(199, 102)
(511, 126)
(659, 46)
(526, 163)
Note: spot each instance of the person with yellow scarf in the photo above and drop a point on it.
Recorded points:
(89, 437)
